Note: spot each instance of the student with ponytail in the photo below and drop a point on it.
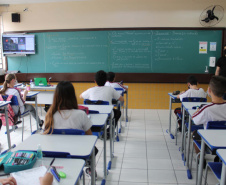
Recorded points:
(64, 113)
(9, 89)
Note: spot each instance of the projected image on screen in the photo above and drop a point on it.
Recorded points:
(18, 44)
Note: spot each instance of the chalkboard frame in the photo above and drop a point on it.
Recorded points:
(127, 77)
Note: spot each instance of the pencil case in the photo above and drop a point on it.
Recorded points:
(18, 161)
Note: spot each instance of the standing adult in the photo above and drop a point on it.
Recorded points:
(221, 65)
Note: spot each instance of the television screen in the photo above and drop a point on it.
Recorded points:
(18, 44)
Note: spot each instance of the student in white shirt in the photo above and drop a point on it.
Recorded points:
(64, 113)
(216, 111)
(9, 89)
(103, 93)
(193, 91)
(111, 81)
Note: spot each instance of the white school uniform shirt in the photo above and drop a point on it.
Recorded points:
(71, 119)
(211, 112)
(15, 92)
(115, 85)
(199, 93)
(103, 93)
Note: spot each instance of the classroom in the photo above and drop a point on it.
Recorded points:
(152, 46)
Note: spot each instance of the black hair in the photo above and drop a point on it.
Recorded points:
(101, 78)
(110, 76)
(192, 80)
(218, 85)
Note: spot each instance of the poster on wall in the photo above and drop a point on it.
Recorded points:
(202, 47)
(213, 46)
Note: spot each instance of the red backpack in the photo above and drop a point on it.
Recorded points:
(12, 118)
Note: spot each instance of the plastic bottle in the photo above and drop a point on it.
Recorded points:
(28, 87)
(39, 152)
(31, 83)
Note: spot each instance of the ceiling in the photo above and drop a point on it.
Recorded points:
(32, 1)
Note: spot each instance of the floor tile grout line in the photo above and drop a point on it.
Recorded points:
(169, 153)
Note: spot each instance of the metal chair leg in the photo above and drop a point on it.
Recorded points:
(23, 130)
(206, 172)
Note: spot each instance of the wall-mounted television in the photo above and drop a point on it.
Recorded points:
(18, 44)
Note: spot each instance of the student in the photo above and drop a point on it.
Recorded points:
(103, 93)
(64, 113)
(111, 81)
(214, 111)
(9, 180)
(47, 179)
(9, 89)
(221, 65)
(193, 91)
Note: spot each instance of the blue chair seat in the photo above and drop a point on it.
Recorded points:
(216, 167)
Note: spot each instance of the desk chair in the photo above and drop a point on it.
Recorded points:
(120, 104)
(188, 99)
(14, 102)
(217, 125)
(97, 102)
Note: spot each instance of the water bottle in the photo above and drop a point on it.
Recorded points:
(39, 152)
(31, 83)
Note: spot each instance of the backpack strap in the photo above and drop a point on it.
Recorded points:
(1, 99)
(9, 98)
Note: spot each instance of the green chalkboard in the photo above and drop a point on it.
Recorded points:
(122, 51)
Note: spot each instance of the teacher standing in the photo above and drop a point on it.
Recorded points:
(221, 65)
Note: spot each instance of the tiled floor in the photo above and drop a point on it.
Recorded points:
(145, 154)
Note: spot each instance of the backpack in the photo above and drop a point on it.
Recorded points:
(12, 118)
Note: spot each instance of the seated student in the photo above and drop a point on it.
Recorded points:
(111, 81)
(64, 113)
(193, 91)
(214, 111)
(9, 89)
(103, 93)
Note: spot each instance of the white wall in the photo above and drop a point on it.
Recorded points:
(108, 14)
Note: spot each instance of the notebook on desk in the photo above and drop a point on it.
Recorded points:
(40, 81)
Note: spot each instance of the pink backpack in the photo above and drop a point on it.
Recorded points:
(11, 115)
(86, 109)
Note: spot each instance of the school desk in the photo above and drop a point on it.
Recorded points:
(185, 107)
(46, 93)
(73, 168)
(33, 94)
(105, 109)
(222, 155)
(78, 146)
(188, 107)
(214, 139)
(173, 99)
(100, 120)
(3, 104)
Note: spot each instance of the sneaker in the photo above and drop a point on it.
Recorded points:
(88, 173)
(107, 137)
(41, 123)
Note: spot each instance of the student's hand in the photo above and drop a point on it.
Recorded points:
(197, 110)
(47, 179)
(9, 180)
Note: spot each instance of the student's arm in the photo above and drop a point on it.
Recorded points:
(25, 95)
(85, 94)
(9, 180)
(88, 132)
(121, 98)
(217, 72)
(47, 179)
